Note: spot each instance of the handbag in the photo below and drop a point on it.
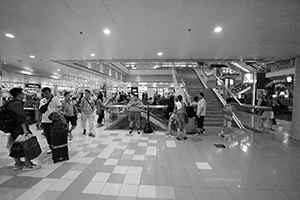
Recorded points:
(16, 150)
(44, 108)
(31, 147)
(274, 121)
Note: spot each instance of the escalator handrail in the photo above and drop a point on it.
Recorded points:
(235, 118)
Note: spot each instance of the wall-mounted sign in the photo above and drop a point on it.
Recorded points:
(32, 85)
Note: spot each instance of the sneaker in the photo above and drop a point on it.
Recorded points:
(31, 167)
(70, 136)
(92, 135)
(49, 151)
(18, 166)
(84, 132)
(139, 132)
(185, 138)
(221, 135)
(130, 131)
(178, 138)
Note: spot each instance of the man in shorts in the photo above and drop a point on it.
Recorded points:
(70, 112)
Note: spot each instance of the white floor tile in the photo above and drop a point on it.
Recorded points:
(170, 143)
(132, 179)
(31, 194)
(138, 157)
(71, 175)
(123, 147)
(151, 151)
(135, 170)
(203, 165)
(142, 144)
(129, 190)
(120, 170)
(111, 189)
(147, 191)
(93, 188)
(81, 154)
(129, 152)
(101, 177)
(152, 141)
(111, 162)
(45, 184)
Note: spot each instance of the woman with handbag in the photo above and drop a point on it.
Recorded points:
(16, 110)
(180, 110)
(100, 110)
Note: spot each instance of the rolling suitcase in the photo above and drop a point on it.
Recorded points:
(59, 138)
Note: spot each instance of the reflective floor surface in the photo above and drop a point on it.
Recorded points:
(117, 166)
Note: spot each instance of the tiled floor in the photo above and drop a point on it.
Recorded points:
(119, 166)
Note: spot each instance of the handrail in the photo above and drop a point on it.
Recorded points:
(200, 78)
(235, 118)
(236, 99)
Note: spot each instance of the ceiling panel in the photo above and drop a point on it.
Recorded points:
(51, 30)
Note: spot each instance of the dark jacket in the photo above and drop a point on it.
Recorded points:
(17, 112)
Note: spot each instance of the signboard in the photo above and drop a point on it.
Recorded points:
(32, 85)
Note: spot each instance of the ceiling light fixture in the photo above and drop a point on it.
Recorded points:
(32, 56)
(93, 55)
(239, 66)
(9, 35)
(218, 29)
(159, 53)
(58, 70)
(106, 31)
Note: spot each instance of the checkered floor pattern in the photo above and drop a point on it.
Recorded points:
(119, 166)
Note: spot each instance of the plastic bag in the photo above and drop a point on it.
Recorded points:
(31, 147)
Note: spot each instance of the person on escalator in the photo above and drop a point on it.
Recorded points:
(135, 107)
(228, 113)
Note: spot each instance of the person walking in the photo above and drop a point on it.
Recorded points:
(201, 112)
(180, 110)
(16, 110)
(134, 107)
(52, 104)
(87, 112)
(228, 117)
(100, 110)
(70, 113)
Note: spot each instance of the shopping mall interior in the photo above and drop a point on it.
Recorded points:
(246, 51)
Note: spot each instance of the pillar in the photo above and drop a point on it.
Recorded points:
(295, 130)
(1, 94)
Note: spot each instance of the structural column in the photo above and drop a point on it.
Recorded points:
(1, 92)
(295, 132)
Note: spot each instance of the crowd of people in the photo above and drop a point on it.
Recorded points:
(89, 104)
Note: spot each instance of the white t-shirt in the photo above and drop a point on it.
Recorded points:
(52, 107)
(201, 104)
(178, 105)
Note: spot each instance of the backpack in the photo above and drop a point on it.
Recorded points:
(148, 127)
(7, 122)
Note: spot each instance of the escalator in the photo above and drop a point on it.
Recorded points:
(214, 113)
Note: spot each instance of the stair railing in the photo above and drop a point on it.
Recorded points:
(178, 90)
(235, 118)
(200, 78)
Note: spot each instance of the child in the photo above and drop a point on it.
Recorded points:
(228, 111)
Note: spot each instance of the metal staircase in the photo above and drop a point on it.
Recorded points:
(214, 113)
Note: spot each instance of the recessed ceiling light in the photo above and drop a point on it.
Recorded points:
(93, 55)
(32, 56)
(9, 35)
(58, 70)
(31, 70)
(218, 29)
(106, 31)
(160, 53)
